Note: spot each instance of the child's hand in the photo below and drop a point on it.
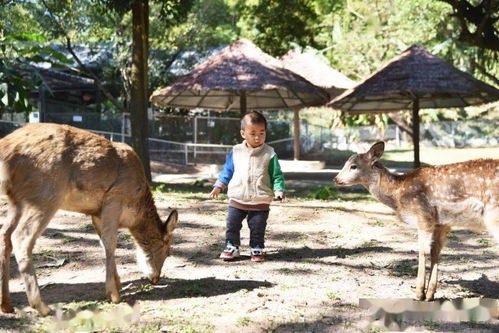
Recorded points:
(279, 195)
(214, 193)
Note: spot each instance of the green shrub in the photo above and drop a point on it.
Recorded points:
(326, 192)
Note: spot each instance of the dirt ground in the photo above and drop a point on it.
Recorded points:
(322, 258)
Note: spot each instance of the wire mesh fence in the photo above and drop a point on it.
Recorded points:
(466, 133)
(208, 140)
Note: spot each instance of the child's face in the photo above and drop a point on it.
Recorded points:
(254, 134)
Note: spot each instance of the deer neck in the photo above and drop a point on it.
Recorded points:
(383, 186)
(148, 226)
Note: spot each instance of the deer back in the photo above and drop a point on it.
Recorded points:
(75, 169)
(456, 194)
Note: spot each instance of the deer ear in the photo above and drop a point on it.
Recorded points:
(170, 223)
(374, 154)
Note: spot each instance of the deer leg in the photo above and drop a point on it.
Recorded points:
(491, 221)
(97, 222)
(424, 239)
(109, 230)
(14, 215)
(32, 223)
(438, 242)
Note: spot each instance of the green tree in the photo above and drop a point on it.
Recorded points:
(478, 21)
(18, 76)
(274, 25)
(172, 11)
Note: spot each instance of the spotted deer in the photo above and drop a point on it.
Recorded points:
(433, 199)
(47, 167)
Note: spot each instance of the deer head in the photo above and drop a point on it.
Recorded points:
(152, 254)
(359, 168)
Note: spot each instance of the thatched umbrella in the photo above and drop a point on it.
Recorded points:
(315, 70)
(240, 77)
(415, 79)
(312, 68)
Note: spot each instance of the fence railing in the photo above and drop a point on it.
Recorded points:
(166, 151)
(313, 139)
(465, 133)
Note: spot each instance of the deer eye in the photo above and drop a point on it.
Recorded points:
(353, 167)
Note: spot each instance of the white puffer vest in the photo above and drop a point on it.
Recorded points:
(251, 183)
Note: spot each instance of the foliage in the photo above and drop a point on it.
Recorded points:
(274, 25)
(18, 75)
(327, 192)
(361, 36)
(355, 36)
(478, 22)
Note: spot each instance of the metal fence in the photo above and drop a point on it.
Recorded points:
(466, 133)
(162, 151)
(313, 139)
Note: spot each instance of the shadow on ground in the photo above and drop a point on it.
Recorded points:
(481, 287)
(309, 253)
(141, 289)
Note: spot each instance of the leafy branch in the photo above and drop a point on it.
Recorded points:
(81, 65)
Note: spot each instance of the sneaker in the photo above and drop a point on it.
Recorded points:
(230, 252)
(257, 254)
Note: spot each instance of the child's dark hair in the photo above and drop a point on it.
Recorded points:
(253, 117)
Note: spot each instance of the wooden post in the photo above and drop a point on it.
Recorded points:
(242, 103)
(42, 104)
(195, 134)
(296, 133)
(415, 132)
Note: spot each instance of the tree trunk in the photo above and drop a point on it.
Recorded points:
(139, 91)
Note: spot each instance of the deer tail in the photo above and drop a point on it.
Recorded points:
(4, 178)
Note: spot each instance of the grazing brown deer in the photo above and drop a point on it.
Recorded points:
(433, 199)
(47, 167)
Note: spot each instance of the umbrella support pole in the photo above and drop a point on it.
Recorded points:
(242, 103)
(415, 132)
(296, 134)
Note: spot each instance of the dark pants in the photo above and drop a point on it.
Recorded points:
(257, 222)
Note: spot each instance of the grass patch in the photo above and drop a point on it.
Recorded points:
(326, 192)
(332, 295)
(370, 243)
(146, 287)
(403, 267)
(186, 191)
(243, 321)
(431, 325)
(194, 288)
(376, 223)
(46, 253)
(124, 237)
(89, 227)
(483, 241)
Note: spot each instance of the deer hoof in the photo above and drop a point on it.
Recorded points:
(43, 309)
(115, 298)
(420, 295)
(7, 308)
